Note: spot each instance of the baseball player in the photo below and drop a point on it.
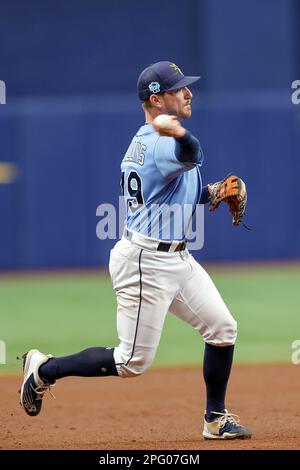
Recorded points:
(151, 269)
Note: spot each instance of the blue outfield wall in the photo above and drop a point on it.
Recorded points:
(68, 153)
(70, 69)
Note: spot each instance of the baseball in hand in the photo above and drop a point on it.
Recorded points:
(163, 121)
(168, 125)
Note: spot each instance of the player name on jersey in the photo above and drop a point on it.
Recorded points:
(135, 153)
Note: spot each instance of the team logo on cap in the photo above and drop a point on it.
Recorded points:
(176, 68)
(154, 87)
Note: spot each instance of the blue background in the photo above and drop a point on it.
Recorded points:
(70, 69)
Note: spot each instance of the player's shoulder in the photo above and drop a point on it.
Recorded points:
(148, 137)
(148, 132)
(140, 150)
(145, 129)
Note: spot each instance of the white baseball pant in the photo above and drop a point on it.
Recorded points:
(148, 283)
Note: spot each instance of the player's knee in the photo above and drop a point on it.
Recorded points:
(134, 367)
(224, 334)
(229, 332)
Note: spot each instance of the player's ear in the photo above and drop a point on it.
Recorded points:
(155, 101)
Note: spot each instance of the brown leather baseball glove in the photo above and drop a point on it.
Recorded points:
(231, 190)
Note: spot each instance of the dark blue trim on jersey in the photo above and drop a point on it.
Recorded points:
(139, 309)
(199, 190)
(204, 195)
(187, 149)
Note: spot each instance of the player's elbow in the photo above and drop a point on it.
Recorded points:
(188, 150)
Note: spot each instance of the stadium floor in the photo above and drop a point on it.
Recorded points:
(160, 410)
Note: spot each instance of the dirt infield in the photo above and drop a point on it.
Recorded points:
(160, 410)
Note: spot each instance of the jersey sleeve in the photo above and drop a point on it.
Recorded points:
(167, 161)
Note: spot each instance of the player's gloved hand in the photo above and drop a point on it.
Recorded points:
(231, 190)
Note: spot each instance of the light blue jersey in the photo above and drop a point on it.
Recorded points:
(161, 192)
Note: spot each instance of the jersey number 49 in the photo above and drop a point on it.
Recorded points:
(131, 188)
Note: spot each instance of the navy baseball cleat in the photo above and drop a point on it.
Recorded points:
(225, 427)
(33, 387)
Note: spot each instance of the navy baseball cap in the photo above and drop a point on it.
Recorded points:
(160, 77)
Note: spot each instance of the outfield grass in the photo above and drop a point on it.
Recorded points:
(65, 313)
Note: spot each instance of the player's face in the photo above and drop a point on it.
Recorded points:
(178, 102)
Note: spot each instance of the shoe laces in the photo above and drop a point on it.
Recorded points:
(227, 418)
(40, 391)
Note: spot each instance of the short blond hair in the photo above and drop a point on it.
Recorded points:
(146, 104)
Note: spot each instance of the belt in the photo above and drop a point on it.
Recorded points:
(152, 243)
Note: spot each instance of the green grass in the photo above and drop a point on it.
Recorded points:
(66, 313)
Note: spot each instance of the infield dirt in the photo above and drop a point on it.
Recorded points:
(163, 409)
